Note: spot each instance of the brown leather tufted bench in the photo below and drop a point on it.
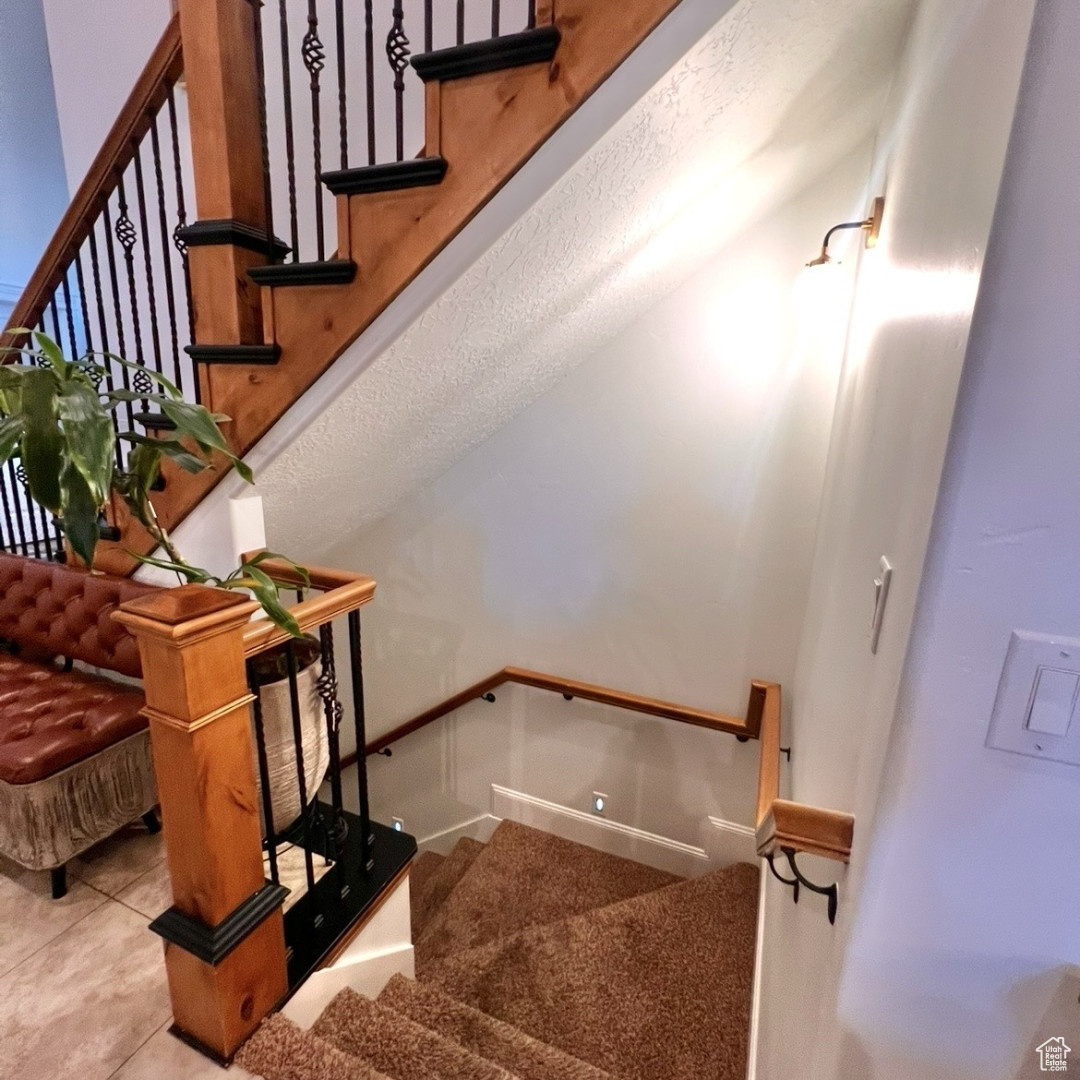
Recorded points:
(75, 760)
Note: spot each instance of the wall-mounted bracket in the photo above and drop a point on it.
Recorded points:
(794, 882)
(832, 892)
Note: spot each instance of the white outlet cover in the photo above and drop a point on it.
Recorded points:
(1028, 654)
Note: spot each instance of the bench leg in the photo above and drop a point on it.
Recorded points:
(59, 882)
(150, 820)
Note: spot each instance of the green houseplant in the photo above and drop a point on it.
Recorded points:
(57, 418)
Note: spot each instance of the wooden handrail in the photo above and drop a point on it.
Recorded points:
(620, 699)
(785, 824)
(160, 74)
(342, 591)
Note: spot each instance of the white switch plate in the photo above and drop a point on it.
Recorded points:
(1029, 657)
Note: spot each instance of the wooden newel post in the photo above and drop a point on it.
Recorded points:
(224, 935)
(230, 235)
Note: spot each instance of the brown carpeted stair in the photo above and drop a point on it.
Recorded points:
(279, 1050)
(541, 959)
(524, 877)
(429, 888)
(508, 1046)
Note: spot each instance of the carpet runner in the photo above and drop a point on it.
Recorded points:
(542, 959)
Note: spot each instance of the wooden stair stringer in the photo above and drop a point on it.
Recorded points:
(488, 126)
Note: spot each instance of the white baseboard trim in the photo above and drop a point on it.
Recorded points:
(477, 828)
(727, 842)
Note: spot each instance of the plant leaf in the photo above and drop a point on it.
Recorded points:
(169, 387)
(192, 573)
(42, 441)
(90, 437)
(79, 513)
(11, 429)
(172, 449)
(52, 352)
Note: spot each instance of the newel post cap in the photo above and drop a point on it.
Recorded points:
(186, 613)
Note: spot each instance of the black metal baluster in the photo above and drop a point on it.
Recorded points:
(80, 283)
(532, 14)
(290, 146)
(103, 326)
(140, 198)
(181, 215)
(397, 52)
(110, 252)
(56, 334)
(461, 22)
(10, 543)
(369, 59)
(495, 18)
(69, 316)
(360, 722)
(334, 711)
(20, 524)
(298, 738)
(125, 233)
(429, 30)
(343, 119)
(264, 774)
(163, 227)
(264, 135)
(314, 57)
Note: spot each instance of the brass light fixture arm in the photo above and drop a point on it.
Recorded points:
(871, 225)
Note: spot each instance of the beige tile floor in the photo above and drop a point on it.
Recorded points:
(82, 981)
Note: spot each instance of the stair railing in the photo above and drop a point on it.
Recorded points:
(273, 864)
(786, 828)
(115, 275)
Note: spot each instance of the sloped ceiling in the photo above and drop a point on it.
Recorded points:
(773, 96)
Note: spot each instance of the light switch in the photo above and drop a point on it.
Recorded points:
(1053, 701)
(1037, 698)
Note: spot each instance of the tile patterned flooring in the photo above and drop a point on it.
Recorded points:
(82, 981)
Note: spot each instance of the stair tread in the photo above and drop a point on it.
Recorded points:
(391, 176)
(279, 1050)
(430, 894)
(539, 878)
(536, 46)
(675, 966)
(398, 1046)
(484, 1035)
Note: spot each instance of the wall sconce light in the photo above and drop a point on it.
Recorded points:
(872, 227)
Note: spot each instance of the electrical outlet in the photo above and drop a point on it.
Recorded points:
(399, 825)
(599, 803)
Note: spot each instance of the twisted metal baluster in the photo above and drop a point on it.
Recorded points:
(141, 383)
(343, 118)
(181, 222)
(163, 227)
(140, 196)
(314, 56)
(369, 62)
(110, 251)
(532, 15)
(429, 32)
(461, 22)
(327, 687)
(495, 14)
(69, 316)
(290, 146)
(397, 52)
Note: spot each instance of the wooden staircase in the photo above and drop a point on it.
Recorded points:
(265, 329)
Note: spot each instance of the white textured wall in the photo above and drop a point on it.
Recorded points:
(939, 162)
(647, 524)
(33, 190)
